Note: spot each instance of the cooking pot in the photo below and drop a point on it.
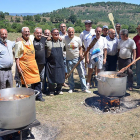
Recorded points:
(111, 86)
(17, 113)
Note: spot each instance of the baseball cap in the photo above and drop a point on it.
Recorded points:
(105, 27)
(88, 21)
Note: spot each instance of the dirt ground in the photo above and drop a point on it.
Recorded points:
(65, 117)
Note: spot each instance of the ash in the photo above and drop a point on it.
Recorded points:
(126, 103)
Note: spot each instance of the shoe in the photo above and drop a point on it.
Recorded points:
(86, 91)
(40, 99)
(130, 89)
(65, 85)
(51, 93)
(60, 93)
(88, 86)
(70, 91)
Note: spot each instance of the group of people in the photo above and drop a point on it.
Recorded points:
(54, 53)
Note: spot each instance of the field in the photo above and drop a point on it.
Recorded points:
(65, 117)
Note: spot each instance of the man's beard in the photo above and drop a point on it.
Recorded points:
(3, 40)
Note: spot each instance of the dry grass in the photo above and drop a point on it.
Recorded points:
(74, 121)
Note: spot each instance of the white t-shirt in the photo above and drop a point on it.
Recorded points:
(86, 36)
(101, 44)
(126, 48)
(72, 47)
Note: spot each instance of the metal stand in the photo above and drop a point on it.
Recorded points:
(10, 131)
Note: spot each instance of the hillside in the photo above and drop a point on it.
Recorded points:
(125, 13)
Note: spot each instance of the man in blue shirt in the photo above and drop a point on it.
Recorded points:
(6, 60)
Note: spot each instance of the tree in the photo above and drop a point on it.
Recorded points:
(2, 16)
(44, 20)
(6, 13)
(37, 18)
(12, 19)
(72, 18)
(17, 19)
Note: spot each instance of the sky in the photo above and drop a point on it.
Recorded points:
(43, 6)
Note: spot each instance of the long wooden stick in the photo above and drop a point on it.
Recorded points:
(125, 68)
(90, 46)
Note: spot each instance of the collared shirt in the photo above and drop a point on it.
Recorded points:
(6, 54)
(19, 49)
(112, 45)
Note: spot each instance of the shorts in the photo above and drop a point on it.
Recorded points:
(98, 64)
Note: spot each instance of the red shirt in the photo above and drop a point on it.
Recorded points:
(137, 41)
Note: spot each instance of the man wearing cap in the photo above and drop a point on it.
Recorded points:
(126, 49)
(112, 44)
(55, 64)
(137, 41)
(118, 28)
(86, 36)
(6, 60)
(104, 31)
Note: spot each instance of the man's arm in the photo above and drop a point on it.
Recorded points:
(105, 56)
(17, 63)
(134, 54)
(81, 52)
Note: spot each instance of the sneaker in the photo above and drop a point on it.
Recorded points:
(40, 99)
(88, 86)
(60, 93)
(86, 91)
(70, 91)
(51, 93)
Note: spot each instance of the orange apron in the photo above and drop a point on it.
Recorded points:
(29, 66)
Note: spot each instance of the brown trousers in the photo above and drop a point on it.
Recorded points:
(123, 63)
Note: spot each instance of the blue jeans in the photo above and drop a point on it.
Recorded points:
(70, 65)
(138, 72)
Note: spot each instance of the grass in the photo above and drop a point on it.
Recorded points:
(75, 121)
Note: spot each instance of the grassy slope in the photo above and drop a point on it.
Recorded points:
(74, 121)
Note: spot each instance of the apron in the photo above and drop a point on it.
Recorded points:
(55, 70)
(29, 66)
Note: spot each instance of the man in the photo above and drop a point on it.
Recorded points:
(126, 48)
(63, 33)
(39, 45)
(73, 52)
(86, 37)
(47, 33)
(98, 61)
(137, 41)
(112, 57)
(104, 31)
(26, 63)
(55, 64)
(6, 60)
(118, 28)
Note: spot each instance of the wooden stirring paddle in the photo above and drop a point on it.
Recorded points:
(125, 68)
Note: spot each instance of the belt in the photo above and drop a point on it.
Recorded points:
(5, 69)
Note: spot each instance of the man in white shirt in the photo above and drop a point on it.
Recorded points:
(101, 44)
(112, 57)
(126, 48)
(73, 54)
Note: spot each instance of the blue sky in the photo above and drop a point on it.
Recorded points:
(39, 6)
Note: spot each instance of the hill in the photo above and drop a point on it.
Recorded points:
(125, 13)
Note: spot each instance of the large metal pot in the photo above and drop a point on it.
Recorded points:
(17, 113)
(111, 86)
